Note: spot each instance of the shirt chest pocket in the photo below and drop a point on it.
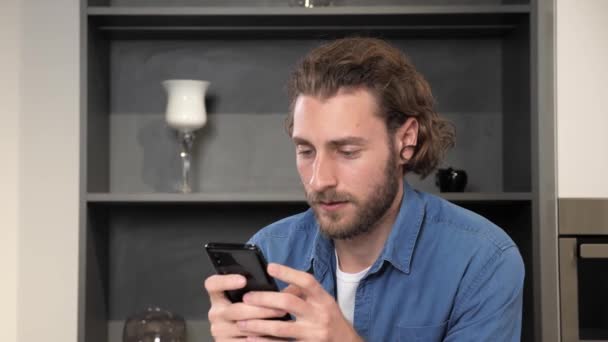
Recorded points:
(432, 333)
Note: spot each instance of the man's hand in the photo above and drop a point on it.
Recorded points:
(318, 317)
(223, 314)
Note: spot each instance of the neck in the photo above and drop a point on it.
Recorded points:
(360, 252)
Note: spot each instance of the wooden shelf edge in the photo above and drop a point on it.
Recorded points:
(194, 197)
(285, 11)
(486, 197)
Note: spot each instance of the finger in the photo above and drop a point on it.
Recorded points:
(223, 330)
(217, 284)
(277, 300)
(309, 285)
(221, 283)
(268, 328)
(242, 311)
(294, 290)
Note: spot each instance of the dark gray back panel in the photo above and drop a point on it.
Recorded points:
(233, 153)
(478, 151)
(156, 255)
(95, 240)
(250, 76)
(516, 105)
(98, 103)
(244, 147)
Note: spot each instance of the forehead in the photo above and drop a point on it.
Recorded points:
(348, 113)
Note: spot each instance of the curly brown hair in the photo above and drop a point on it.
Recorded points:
(401, 92)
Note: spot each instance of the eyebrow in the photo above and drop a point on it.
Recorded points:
(336, 142)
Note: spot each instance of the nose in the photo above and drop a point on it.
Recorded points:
(323, 174)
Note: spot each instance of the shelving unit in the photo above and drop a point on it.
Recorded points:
(144, 242)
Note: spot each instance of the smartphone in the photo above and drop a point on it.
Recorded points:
(243, 259)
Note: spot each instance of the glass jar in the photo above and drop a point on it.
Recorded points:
(155, 325)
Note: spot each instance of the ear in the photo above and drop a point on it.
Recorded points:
(406, 139)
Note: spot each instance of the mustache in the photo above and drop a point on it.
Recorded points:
(328, 196)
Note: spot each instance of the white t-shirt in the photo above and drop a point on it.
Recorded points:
(347, 284)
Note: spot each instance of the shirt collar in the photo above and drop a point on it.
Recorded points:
(321, 254)
(398, 248)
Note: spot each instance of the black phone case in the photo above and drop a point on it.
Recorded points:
(222, 266)
(262, 282)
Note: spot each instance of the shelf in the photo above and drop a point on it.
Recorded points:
(177, 198)
(487, 197)
(150, 198)
(300, 11)
(243, 22)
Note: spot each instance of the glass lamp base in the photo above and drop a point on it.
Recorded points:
(186, 140)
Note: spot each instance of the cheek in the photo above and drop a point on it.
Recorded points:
(361, 175)
(304, 170)
(371, 165)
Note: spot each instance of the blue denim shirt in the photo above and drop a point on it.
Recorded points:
(445, 273)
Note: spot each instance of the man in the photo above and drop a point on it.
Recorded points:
(373, 259)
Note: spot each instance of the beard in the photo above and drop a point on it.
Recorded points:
(368, 210)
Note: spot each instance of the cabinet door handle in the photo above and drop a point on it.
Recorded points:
(593, 251)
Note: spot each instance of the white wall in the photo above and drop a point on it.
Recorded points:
(582, 98)
(9, 128)
(48, 165)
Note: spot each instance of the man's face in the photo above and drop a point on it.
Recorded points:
(346, 161)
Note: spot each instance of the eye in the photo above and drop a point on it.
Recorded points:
(304, 152)
(351, 154)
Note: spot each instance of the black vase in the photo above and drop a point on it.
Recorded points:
(451, 180)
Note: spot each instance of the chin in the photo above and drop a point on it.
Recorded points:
(341, 232)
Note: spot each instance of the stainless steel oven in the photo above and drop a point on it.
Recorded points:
(583, 264)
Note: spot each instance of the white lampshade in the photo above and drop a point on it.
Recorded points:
(186, 104)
